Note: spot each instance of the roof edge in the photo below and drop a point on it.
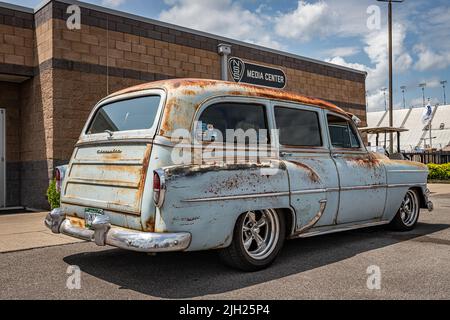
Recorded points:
(16, 7)
(193, 31)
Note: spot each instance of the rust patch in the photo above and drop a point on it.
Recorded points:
(150, 224)
(77, 222)
(363, 161)
(144, 172)
(196, 169)
(313, 176)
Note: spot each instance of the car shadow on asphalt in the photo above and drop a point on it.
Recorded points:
(189, 275)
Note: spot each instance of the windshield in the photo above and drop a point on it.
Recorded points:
(126, 115)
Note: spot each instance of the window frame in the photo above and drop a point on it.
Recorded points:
(351, 125)
(121, 135)
(238, 100)
(300, 108)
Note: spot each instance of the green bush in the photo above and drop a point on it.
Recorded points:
(439, 171)
(53, 195)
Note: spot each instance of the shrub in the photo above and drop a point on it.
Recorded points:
(439, 171)
(53, 195)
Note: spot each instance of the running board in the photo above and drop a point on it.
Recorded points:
(334, 229)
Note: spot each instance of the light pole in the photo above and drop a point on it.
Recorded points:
(423, 85)
(403, 92)
(384, 93)
(444, 82)
(391, 100)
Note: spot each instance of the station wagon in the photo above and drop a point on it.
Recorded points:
(190, 165)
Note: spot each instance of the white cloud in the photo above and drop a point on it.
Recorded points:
(113, 3)
(341, 61)
(429, 59)
(342, 51)
(376, 50)
(223, 17)
(304, 22)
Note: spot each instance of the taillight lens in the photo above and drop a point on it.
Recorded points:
(158, 187)
(58, 180)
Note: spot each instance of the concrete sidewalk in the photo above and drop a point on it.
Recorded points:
(27, 231)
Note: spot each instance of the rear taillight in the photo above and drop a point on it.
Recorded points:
(58, 178)
(159, 187)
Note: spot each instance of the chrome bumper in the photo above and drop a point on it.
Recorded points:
(103, 233)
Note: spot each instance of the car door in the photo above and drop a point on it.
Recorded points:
(362, 177)
(312, 173)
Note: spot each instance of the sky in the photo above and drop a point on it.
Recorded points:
(351, 33)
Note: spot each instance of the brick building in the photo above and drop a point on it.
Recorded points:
(50, 78)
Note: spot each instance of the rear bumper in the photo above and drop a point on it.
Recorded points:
(428, 203)
(103, 233)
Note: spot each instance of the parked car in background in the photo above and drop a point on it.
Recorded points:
(176, 166)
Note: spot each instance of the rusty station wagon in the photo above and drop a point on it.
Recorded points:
(126, 187)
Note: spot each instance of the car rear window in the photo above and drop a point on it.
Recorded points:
(126, 115)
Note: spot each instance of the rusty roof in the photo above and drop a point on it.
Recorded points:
(209, 88)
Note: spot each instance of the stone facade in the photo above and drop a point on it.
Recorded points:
(62, 73)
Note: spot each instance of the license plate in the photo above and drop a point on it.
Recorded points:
(90, 214)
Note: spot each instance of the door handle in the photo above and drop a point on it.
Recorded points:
(285, 154)
(337, 155)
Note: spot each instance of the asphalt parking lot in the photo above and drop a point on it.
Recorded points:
(414, 265)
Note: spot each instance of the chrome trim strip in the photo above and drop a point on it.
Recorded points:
(369, 187)
(129, 162)
(402, 185)
(300, 192)
(105, 183)
(312, 223)
(313, 233)
(111, 141)
(312, 191)
(408, 171)
(237, 197)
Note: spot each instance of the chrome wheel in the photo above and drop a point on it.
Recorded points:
(409, 210)
(260, 233)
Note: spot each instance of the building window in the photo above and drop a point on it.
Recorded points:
(300, 128)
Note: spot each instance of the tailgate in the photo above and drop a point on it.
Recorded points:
(108, 176)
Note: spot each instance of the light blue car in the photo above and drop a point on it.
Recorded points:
(189, 164)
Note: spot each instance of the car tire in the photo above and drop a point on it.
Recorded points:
(258, 237)
(408, 214)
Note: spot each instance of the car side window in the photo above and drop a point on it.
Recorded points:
(221, 117)
(342, 133)
(300, 128)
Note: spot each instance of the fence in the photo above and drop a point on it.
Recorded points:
(437, 157)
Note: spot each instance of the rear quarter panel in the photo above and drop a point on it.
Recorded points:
(195, 203)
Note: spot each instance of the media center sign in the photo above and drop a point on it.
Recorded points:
(242, 71)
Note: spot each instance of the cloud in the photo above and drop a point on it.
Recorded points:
(224, 17)
(341, 61)
(113, 3)
(306, 21)
(429, 59)
(342, 51)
